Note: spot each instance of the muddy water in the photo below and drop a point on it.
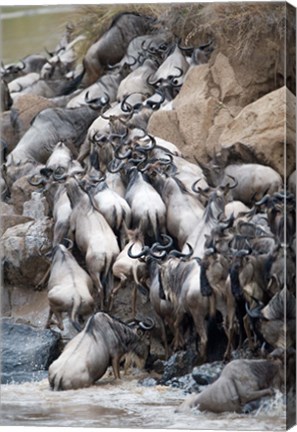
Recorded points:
(124, 404)
(28, 29)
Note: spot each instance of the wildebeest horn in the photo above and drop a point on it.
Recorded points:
(117, 168)
(143, 252)
(125, 106)
(156, 105)
(38, 181)
(179, 254)
(254, 313)
(120, 156)
(148, 324)
(22, 67)
(198, 189)
(159, 246)
(227, 187)
(263, 200)
(174, 77)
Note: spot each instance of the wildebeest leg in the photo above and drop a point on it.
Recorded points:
(178, 340)
(115, 363)
(48, 323)
(97, 283)
(229, 328)
(246, 323)
(58, 315)
(201, 331)
(246, 396)
(114, 291)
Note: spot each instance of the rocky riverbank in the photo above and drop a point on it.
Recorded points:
(221, 105)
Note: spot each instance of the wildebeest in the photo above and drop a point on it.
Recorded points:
(48, 128)
(240, 382)
(102, 343)
(69, 289)
(93, 236)
(112, 45)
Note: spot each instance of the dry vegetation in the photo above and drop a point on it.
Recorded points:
(241, 24)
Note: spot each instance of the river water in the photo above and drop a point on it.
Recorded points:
(109, 403)
(124, 404)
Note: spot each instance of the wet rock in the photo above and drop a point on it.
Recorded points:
(23, 264)
(186, 383)
(26, 352)
(148, 382)
(207, 373)
(179, 364)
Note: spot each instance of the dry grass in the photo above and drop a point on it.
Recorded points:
(240, 25)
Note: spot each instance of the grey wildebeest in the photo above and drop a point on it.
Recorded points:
(112, 45)
(253, 180)
(69, 289)
(103, 342)
(127, 268)
(93, 236)
(240, 382)
(48, 128)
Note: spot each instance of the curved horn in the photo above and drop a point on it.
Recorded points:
(142, 253)
(148, 324)
(156, 105)
(122, 156)
(20, 68)
(116, 169)
(198, 189)
(172, 78)
(254, 313)
(263, 200)
(125, 106)
(235, 183)
(41, 180)
(179, 254)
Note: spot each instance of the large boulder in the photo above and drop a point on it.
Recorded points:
(21, 190)
(26, 352)
(23, 263)
(205, 104)
(265, 128)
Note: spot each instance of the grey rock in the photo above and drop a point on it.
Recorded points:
(179, 364)
(27, 352)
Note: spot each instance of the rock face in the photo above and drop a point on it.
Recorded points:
(210, 116)
(26, 352)
(264, 128)
(23, 264)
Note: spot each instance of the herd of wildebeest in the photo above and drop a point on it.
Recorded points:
(201, 239)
